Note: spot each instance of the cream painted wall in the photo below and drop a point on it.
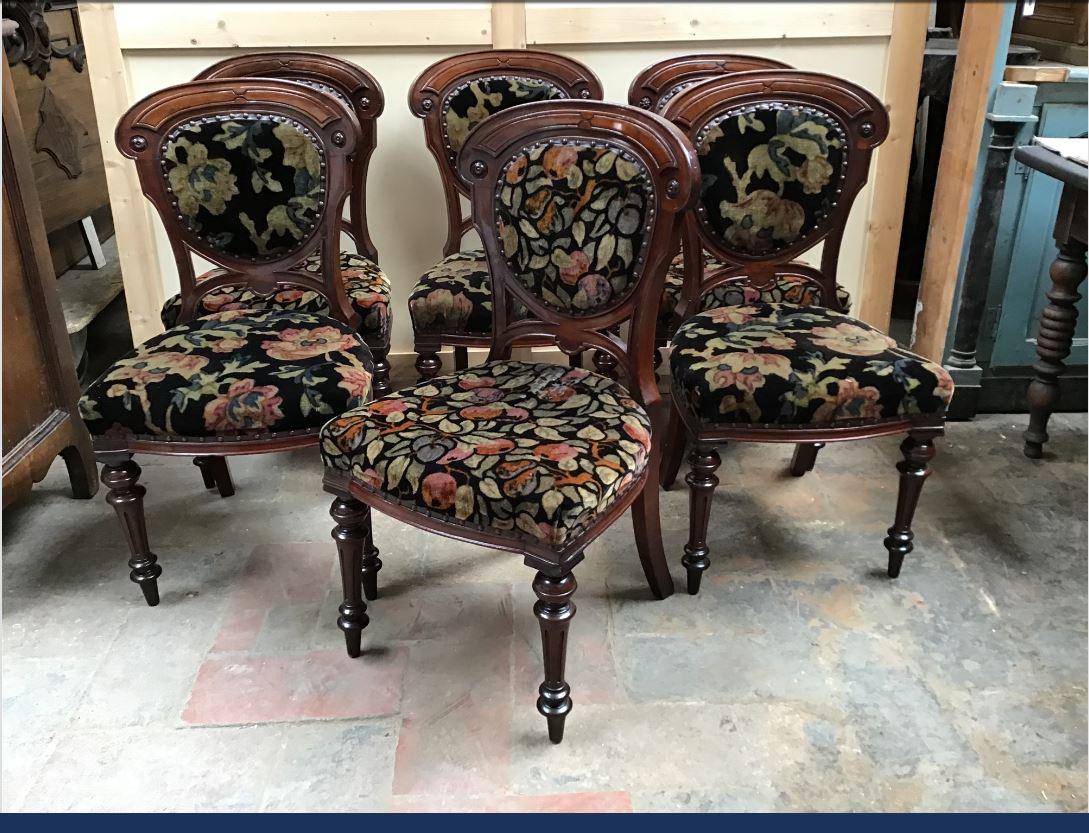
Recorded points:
(406, 211)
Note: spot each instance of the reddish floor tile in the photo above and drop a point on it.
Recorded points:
(463, 749)
(604, 802)
(317, 685)
(278, 574)
(239, 629)
(456, 735)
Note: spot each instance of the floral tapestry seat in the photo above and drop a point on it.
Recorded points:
(513, 448)
(233, 372)
(454, 296)
(366, 285)
(788, 289)
(786, 364)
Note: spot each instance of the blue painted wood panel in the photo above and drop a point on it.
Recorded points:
(1034, 249)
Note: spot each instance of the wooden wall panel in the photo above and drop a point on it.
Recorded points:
(874, 43)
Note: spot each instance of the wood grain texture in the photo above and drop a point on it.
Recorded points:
(302, 25)
(981, 31)
(892, 165)
(548, 23)
(135, 242)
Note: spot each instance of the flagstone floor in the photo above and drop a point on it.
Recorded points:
(801, 677)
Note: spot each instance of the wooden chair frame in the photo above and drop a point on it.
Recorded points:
(654, 87)
(671, 165)
(866, 123)
(140, 135)
(363, 92)
(427, 99)
(657, 85)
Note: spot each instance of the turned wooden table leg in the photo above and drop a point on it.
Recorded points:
(126, 496)
(554, 612)
(1053, 342)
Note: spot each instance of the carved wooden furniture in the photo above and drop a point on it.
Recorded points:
(40, 388)
(535, 459)
(653, 89)
(768, 355)
(367, 287)
(1058, 320)
(251, 174)
(46, 56)
(451, 304)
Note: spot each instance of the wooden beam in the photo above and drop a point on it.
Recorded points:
(903, 70)
(132, 222)
(574, 23)
(302, 25)
(508, 25)
(981, 32)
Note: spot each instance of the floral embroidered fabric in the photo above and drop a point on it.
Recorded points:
(454, 296)
(770, 175)
(789, 289)
(529, 450)
(233, 372)
(366, 285)
(571, 220)
(250, 187)
(474, 101)
(794, 365)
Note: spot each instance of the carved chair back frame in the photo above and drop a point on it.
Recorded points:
(357, 86)
(144, 130)
(654, 87)
(429, 95)
(865, 125)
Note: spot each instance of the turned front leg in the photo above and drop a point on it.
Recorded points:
(554, 610)
(428, 364)
(701, 480)
(350, 534)
(805, 457)
(216, 474)
(126, 496)
(1053, 342)
(918, 450)
(381, 385)
(371, 562)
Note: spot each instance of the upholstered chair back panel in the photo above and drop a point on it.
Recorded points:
(771, 172)
(251, 186)
(468, 104)
(572, 218)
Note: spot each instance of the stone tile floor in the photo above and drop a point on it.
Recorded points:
(800, 678)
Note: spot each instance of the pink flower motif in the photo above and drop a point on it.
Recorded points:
(455, 454)
(557, 452)
(558, 161)
(472, 382)
(388, 406)
(578, 267)
(638, 433)
(355, 380)
(245, 406)
(439, 490)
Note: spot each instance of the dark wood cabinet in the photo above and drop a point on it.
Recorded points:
(40, 389)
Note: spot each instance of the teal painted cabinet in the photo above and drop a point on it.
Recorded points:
(1024, 251)
(1034, 250)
